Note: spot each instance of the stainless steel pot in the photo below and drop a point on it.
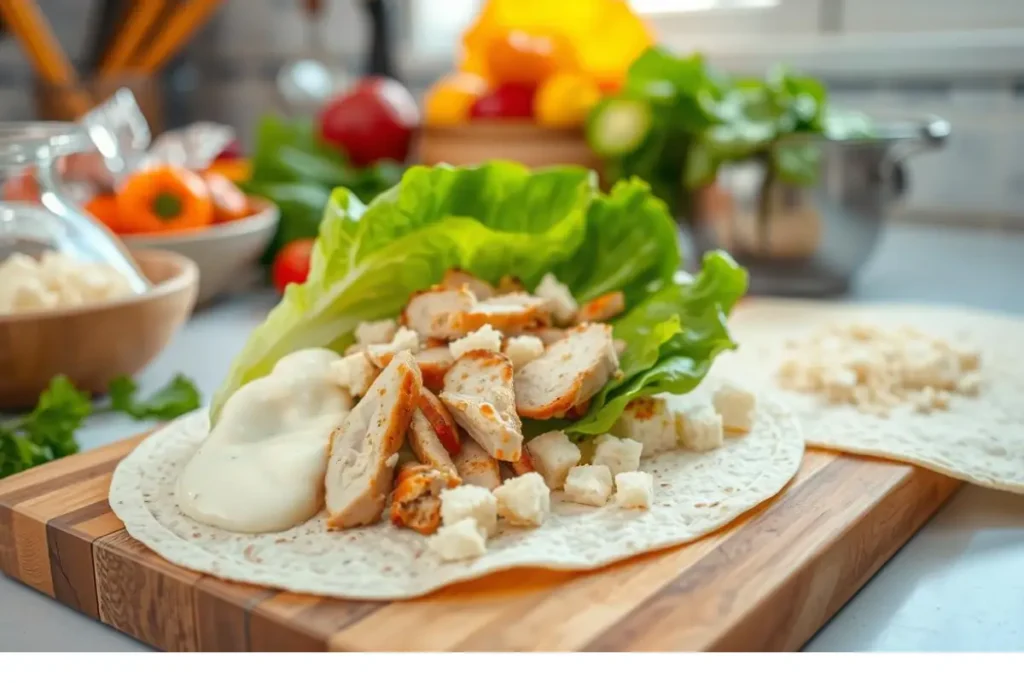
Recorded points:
(810, 241)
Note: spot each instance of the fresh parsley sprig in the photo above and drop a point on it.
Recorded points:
(48, 432)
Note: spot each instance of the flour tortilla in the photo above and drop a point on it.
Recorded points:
(695, 494)
(978, 440)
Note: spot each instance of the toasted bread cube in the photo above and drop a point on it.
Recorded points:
(553, 456)
(463, 540)
(700, 428)
(524, 500)
(470, 502)
(634, 490)
(589, 485)
(736, 405)
(650, 421)
(618, 455)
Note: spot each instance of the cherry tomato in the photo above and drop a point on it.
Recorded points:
(528, 59)
(375, 120)
(292, 264)
(509, 101)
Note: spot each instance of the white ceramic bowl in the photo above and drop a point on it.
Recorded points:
(227, 254)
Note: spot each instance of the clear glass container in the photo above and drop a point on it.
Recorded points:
(56, 221)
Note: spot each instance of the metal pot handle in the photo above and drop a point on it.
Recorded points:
(910, 139)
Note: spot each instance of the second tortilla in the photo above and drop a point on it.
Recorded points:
(978, 439)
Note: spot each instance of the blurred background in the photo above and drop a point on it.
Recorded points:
(961, 60)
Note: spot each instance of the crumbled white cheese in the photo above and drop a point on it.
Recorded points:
(486, 338)
(634, 489)
(650, 421)
(56, 280)
(378, 332)
(524, 500)
(470, 502)
(463, 540)
(355, 373)
(404, 340)
(523, 349)
(553, 456)
(700, 428)
(618, 455)
(877, 369)
(559, 299)
(736, 405)
(588, 485)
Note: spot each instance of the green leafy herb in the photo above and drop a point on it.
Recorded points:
(48, 432)
(696, 120)
(296, 171)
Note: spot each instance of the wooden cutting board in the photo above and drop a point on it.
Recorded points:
(767, 582)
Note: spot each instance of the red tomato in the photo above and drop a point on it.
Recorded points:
(375, 120)
(509, 101)
(292, 263)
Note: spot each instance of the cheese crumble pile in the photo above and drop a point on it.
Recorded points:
(878, 370)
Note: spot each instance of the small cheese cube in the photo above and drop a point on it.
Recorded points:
(404, 340)
(470, 502)
(553, 456)
(559, 299)
(378, 332)
(463, 540)
(589, 485)
(523, 349)
(650, 421)
(618, 455)
(634, 489)
(486, 338)
(700, 428)
(524, 500)
(355, 373)
(736, 406)
(969, 384)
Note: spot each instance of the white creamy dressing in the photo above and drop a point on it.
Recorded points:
(261, 469)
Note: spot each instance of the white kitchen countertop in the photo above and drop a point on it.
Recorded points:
(958, 585)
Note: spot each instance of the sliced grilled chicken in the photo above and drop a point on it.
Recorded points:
(507, 313)
(524, 464)
(416, 503)
(602, 308)
(429, 450)
(455, 279)
(569, 373)
(476, 467)
(440, 421)
(437, 312)
(363, 451)
(434, 362)
(478, 392)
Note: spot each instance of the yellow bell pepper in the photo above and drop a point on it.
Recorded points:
(448, 101)
(563, 100)
(607, 35)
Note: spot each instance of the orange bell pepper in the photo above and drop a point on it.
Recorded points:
(103, 207)
(229, 202)
(163, 199)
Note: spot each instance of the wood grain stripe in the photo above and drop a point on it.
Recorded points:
(704, 605)
(223, 611)
(8, 548)
(532, 609)
(70, 537)
(304, 623)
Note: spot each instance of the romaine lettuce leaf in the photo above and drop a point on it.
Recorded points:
(496, 219)
(671, 338)
(631, 245)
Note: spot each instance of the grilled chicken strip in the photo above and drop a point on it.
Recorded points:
(476, 467)
(416, 503)
(569, 373)
(478, 392)
(363, 451)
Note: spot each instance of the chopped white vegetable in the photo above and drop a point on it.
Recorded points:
(618, 455)
(485, 339)
(523, 349)
(700, 428)
(634, 489)
(470, 502)
(355, 373)
(650, 421)
(524, 500)
(553, 456)
(589, 485)
(559, 299)
(463, 540)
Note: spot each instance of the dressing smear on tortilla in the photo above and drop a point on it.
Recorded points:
(960, 413)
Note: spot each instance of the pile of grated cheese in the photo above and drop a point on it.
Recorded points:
(878, 370)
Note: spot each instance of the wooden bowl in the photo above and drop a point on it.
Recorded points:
(96, 343)
(529, 144)
(224, 253)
